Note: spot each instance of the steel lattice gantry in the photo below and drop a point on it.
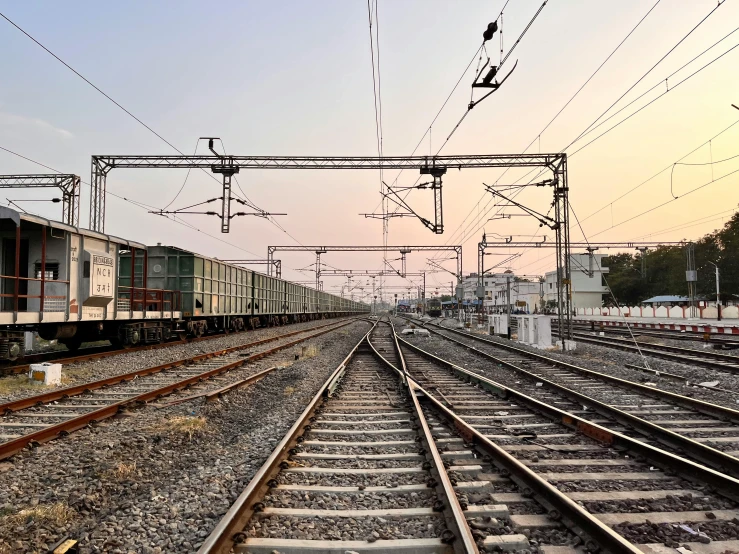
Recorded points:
(402, 249)
(435, 166)
(69, 185)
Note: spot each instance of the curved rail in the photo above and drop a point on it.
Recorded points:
(53, 431)
(705, 454)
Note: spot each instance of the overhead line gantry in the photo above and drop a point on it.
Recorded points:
(69, 185)
(227, 166)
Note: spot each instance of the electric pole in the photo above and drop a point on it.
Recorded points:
(508, 303)
(718, 293)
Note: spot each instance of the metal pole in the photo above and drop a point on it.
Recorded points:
(424, 294)
(43, 271)
(508, 304)
(718, 293)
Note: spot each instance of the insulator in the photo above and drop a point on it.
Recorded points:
(488, 78)
(490, 31)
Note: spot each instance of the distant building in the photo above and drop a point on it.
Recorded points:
(666, 300)
(525, 296)
(588, 284)
(489, 281)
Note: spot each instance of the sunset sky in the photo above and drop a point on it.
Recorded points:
(295, 78)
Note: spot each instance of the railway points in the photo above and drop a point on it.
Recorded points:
(36, 419)
(516, 472)
(703, 430)
(341, 379)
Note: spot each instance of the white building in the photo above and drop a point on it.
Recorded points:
(588, 285)
(525, 296)
(489, 281)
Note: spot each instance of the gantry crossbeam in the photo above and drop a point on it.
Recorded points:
(69, 185)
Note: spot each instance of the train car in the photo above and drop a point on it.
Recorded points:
(218, 296)
(433, 307)
(61, 281)
(76, 285)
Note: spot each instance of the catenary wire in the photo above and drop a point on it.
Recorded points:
(569, 101)
(634, 113)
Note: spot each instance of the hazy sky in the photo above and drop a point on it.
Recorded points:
(295, 78)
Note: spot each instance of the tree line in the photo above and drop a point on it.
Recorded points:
(666, 266)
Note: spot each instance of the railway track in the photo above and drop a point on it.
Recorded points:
(708, 433)
(705, 358)
(358, 471)
(96, 353)
(718, 340)
(402, 452)
(654, 500)
(36, 419)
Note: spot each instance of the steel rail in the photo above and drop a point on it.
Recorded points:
(12, 447)
(109, 351)
(228, 531)
(685, 401)
(724, 484)
(218, 393)
(711, 456)
(76, 390)
(709, 359)
(455, 517)
(530, 482)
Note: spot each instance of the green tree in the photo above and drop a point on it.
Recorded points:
(666, 266)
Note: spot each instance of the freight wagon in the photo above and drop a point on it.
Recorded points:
(76, 285)
(215, 295)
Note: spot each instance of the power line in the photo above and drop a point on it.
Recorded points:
(660, 172)
(674, 199)
(464, 116)
(692, 223)
(136, 203)
(720, 3)
(569, 101)
(657, 98)
(98, 89)
(140, 122)
(643, 107)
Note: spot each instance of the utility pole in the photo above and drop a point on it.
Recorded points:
(718, 293)
(424, 293)
(318, 268)
(643, 250)
(691, 276)
(508, 303)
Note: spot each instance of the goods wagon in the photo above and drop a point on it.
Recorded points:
(62, 282)
(76, 285)
(217, 296)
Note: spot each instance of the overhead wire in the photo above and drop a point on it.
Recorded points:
(141, 122)
(687, 224)
(631, 88)
(132, 202)
(714, 137)
(685, 37)
(569, 101)
(671, 200)
(106, 95)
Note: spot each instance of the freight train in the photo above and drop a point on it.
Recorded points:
(76, 285)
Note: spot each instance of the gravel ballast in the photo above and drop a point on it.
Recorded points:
(158, 480)
(125, 361)
(613, 362)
